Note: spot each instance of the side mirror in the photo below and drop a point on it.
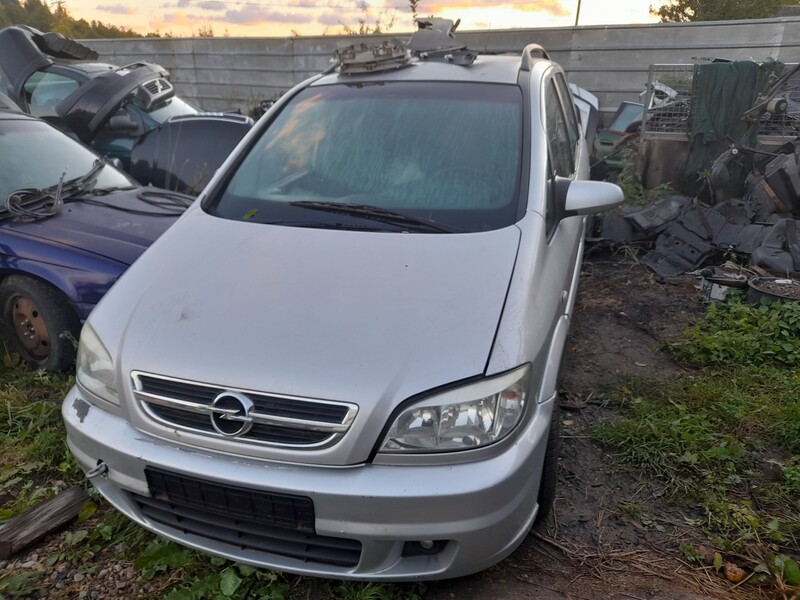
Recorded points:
(589, 197)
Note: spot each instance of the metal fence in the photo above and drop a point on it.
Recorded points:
(668, 104)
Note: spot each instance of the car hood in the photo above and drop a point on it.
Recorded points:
(356, 316)
(108, 232)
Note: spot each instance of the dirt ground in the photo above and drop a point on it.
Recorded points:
(589, 548)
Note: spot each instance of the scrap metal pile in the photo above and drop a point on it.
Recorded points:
(689, 234)
(749, 199)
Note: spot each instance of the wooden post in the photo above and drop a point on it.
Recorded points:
(36, 522)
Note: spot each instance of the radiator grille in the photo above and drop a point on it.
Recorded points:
(260, 418)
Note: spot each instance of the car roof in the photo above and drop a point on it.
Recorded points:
(485, 69)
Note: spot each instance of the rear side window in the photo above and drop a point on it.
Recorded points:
(559, 144)
(44, 91)
(568, 104)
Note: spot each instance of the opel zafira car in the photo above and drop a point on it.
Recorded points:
(341, 361)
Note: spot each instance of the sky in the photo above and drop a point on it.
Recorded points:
(317, 17)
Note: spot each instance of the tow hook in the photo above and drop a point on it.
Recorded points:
(99, 470)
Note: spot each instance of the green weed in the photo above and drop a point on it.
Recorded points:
(631, 184)
(194, 576)
(735, 333)
(20, 585)
(32, 437)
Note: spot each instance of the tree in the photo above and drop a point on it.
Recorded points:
(38, 14)
(62, 22)
(413, 5)
(681, 11)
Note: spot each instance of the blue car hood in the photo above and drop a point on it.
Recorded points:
(115, 234)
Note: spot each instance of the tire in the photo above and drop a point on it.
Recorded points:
(38, 323)
(547, 487)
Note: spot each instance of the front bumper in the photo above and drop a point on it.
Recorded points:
(482, 509)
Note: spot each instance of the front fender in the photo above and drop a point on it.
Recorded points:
(82, 277)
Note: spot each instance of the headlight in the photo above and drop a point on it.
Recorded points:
(95, 368)
(468, 417)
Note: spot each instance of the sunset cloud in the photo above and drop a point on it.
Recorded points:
(117, 9)
(314, 17)
(258, 15)
(178, 4)
(177, 19)
(329, 19)
(211, 5)
(549, 7)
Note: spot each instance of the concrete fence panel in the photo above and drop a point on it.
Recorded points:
(610, 61)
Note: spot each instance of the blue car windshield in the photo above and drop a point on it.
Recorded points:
(446, 152)
(34, 155)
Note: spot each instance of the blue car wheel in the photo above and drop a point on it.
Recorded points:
(38, 323)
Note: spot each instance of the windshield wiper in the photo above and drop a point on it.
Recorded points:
(31, 204)
(376, 213)
(324, 225)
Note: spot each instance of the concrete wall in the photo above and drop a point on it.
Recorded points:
(610, 61)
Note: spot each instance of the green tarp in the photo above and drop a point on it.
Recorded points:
(722, 92)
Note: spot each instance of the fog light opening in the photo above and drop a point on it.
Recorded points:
(423, 547)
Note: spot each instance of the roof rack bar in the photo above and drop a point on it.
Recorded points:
(530, 53)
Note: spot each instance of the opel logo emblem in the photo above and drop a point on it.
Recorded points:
(230, 414)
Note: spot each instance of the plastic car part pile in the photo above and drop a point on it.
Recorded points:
(759, 221)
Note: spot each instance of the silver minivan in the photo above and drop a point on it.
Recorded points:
(342, 360)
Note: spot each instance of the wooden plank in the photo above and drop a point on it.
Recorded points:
(36, 522)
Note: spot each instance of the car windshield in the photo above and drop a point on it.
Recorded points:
(34, 155)
(446, 153)
(173, 107)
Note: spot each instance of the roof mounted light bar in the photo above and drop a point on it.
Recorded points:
(363, 58)
(434, 40)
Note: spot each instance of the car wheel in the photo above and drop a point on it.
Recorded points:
(547, 487)
(38, 323)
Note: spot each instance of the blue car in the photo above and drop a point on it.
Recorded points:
(70, 225)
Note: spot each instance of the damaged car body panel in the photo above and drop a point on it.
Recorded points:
(70, 225)
(88, 108)
(114, 108)
(26, 50)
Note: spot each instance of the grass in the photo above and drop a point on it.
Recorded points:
(34, 452)
(725, 440)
